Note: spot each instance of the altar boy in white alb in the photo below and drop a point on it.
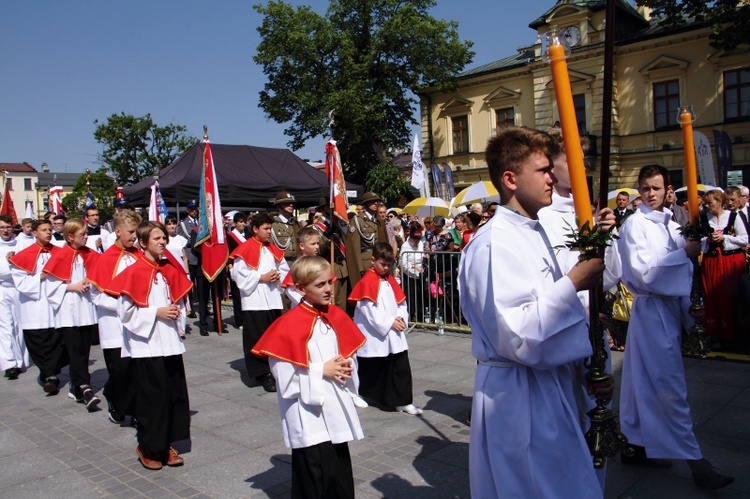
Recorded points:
(14, 357)
(530, 333)
(656, 267)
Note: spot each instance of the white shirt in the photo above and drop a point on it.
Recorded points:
(315, 409)
(175, 246)
(71, 308)
(23, 241)
(735, 242)
(104, 235)
(145, 335)
(6, 280)
(258, 295)
(412, 258)
(36, 311)
(375, 320)
(110, 327)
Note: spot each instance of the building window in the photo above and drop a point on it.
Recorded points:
(460, 134)
(27, 184)
(737, 94)
(666, 103)
(505, 117)
(9, 183)
(579, 103)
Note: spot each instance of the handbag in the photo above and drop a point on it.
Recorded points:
(623, 303)
(435, 288)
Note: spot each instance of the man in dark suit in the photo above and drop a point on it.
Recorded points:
(736, 202)
(622, 211)
(185, 229)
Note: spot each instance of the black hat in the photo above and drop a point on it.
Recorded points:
(369, 197)
(192, 204)
(120, 202)
(283, 197)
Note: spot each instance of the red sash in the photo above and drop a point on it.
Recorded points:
(368, 288)
(136, 281)
(249, 251)
(61, 263)
(28, 258)
(286, 339)
(106, 267)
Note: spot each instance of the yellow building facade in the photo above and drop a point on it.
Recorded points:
(656, 70)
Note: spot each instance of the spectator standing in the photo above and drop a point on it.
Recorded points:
(186, 228)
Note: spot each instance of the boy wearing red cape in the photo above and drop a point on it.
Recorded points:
(381, 313)
(310, 351)
(152, 311)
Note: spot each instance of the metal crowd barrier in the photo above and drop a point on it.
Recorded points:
(430, 281)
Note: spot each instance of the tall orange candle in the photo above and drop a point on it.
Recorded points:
(571, 139)
(691, 170)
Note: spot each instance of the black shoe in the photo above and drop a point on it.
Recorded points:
(12, 373)
(51, 385)
(192, 315)
(269, 383)
(706, 477)
(75, 393)
(90, 400)
(114, 416)
(635, 454)
(204, 331)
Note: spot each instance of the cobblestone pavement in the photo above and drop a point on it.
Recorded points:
(51, 447)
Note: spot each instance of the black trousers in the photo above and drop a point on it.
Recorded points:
(236, 303)
(254, 324)
(194, 270)
(162, 405)
(119, 389)
(386, 381)
(77, 341)
(322, 471)
(205, 296)
(47, 350)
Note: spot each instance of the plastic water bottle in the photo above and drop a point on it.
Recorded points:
(427, 315)
(440, 323)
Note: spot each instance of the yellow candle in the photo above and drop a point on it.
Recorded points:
(571, 139)
(691, 171)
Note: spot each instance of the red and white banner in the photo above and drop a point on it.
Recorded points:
(55, 200)
(337, 197)
(211, 236)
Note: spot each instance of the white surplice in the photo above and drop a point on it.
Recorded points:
(13, 352)
(654, 412)
(110, 327)
(36, 311)
(315, 409)
(256, 295)
(529, 334)
(71, 309)
(375, 320)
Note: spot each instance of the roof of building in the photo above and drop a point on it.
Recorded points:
(523, 57)
(17, 167)
(62, 179)
(594, 5)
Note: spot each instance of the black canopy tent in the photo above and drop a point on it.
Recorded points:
(248, 176)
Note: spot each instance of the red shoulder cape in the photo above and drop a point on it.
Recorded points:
(136, 281)
(249, 251)
(61, 263)
(27, 258)
(106, 267)
(286, 339)
(368, 288)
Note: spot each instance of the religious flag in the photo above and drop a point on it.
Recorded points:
(6, 207)
(337, 195)
(90, 201)
(29, 210)
(437, 177)
(157, 209)
(450, 190)
(211, 237)
(704, 158)
(417, 169)
(55, 200)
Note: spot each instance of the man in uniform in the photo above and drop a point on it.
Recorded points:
(285, 226)
(330, 233)
(185, 229)
(367, 229)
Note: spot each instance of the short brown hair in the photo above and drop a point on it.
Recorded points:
(383, 251)
(36, 223)
(512, 145)
(654, 170)
(145, 229)
(306, 233)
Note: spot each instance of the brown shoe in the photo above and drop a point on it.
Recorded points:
(174, 459)
(147, 462)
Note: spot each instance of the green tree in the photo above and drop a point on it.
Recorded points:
(364, 59)
(729, 19)
(136, 147)
(102, 187)
(388, 180)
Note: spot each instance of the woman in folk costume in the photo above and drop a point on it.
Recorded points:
(382, 315)
(120, 255)
(75, 315)
(37, 318)
(723, 263)
(152, 310)
(310, 351)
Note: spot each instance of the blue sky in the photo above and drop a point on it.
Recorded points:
(188, 62)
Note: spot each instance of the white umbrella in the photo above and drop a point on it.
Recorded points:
(481, 191)
(428, 207)
(702, 188)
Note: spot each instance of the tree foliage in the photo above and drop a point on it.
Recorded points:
(136, 147)
(388, 180)
(729, 19)
(102, 187)
(364, 59)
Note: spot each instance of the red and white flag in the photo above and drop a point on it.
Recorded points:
(6, 207)
(337, 197)
(211, 236)
(55, 200)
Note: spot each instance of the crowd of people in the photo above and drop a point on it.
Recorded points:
(324, 308)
